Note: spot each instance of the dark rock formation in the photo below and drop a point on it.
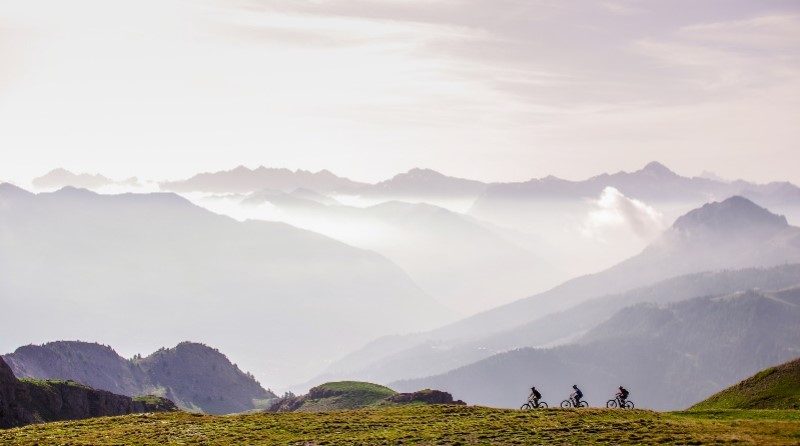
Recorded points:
(426, 396)
(34, 401)
(12, 394)
(287, 403)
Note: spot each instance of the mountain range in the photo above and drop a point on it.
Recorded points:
(395, 357)
(467, 264)
(654, 183)
(729, 235)
(713, 237)
(669, 356)
(58, 178)
(245, 180)
(145, 269)
(194, 376)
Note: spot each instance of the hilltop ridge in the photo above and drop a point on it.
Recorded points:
(193, 375)
(772, 388)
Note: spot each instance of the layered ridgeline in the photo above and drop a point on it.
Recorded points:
(667, 356)
(390, 359)
(146, 269)
(653, 184)
(598, 222)
(467, 264)
(348, 395)
(773, 388)
(424, 184)
(245, 180)
(728, 235)
(415, 184)
(34, 401)
(194, 376)
(58, 178)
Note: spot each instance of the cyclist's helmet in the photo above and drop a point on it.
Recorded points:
(574, 386)
(620, 387)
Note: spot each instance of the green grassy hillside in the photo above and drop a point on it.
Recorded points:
(341, 395)
(772, 388)
(421, 424)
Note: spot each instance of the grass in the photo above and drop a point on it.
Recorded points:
(50, 383)
(358, 387)
(421, 425)
(772, 388)
(346, 395)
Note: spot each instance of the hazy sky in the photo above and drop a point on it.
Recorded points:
(495, 89)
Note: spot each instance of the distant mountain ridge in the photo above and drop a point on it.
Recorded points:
(194, 376)
(58, 178)
(466, 264)
(678, 251)
(417, 183)
(147, 258)
(387, 360)
(667, 356)
(715, 237)
(653, 183)
(245, 180)
(424, 183)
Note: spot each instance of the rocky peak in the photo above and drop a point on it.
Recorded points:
(655, 168)
(731, 215)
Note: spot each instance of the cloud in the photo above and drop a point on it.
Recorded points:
(614, 213)
(725, 56)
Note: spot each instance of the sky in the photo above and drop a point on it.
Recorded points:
(496, 90)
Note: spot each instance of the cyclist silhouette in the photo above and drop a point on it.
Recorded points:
(622, 395)
(576, 395)
(535, 396)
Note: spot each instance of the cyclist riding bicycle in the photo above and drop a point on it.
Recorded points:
(535, 396)
(577, 395)
(622, 395)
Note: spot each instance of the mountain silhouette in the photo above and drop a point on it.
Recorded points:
(193, 375)
(58, 178)
(145, 269)
(424, 183)
(669, 357)
(245, 180)
(732, 234)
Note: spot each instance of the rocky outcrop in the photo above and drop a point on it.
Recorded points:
(12, 394)
(288, 403)
(426, 396)
(34, 401)
(354, 395)
(68, 400)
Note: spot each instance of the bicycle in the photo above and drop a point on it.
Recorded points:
(566, 404)
(531, 405)
(616, 402)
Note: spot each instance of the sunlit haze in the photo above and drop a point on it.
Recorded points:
(492, 90)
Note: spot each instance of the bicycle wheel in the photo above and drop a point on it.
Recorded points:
(542, 405)
(583, 404)
(629, 405)
(526, 406)
(611, 404)
(566, 404)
